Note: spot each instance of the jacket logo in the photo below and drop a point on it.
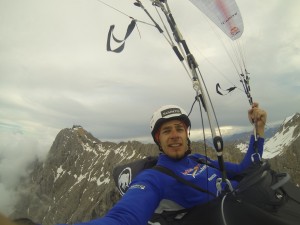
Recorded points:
(124, 180)
(195, 171)
(138, 186)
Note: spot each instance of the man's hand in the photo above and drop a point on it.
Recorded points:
(258, 117)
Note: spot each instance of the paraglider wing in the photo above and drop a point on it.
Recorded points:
(225, 14)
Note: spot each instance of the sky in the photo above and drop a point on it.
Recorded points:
(55, 72)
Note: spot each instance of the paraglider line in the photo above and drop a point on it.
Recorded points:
(125, 14)
(114, 9)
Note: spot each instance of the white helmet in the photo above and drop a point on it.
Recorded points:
(166, 113)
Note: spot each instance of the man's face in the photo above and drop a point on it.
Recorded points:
(173, 138)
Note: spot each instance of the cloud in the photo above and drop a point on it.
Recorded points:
(18, 148)
(55, 67)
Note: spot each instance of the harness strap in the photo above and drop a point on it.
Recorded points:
(130, 28)
(255, 176)
(203, 161)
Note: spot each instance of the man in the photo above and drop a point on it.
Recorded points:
(151, 189)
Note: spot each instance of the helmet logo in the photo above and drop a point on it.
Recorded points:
(170, 111)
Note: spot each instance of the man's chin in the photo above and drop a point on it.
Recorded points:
(177, 156)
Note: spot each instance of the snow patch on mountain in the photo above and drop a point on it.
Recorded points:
(242, 147)
(287, 134)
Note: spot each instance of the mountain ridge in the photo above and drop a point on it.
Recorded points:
(75, 182)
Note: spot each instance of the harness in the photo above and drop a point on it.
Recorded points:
(261, 190)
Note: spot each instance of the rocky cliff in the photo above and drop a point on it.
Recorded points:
(75, 182)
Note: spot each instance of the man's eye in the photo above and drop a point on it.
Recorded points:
(180, 129)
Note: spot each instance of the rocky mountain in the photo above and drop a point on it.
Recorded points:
(244, 136)
(287, 134)
(75, 182)
(283, 149)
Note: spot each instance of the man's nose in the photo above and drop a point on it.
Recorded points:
(174, 133)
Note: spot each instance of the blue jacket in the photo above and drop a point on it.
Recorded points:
(150, 187)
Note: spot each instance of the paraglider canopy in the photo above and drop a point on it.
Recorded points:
(225, 14)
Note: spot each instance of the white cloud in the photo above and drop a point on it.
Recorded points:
(18, 148)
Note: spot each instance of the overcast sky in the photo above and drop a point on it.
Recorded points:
(55, 72)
